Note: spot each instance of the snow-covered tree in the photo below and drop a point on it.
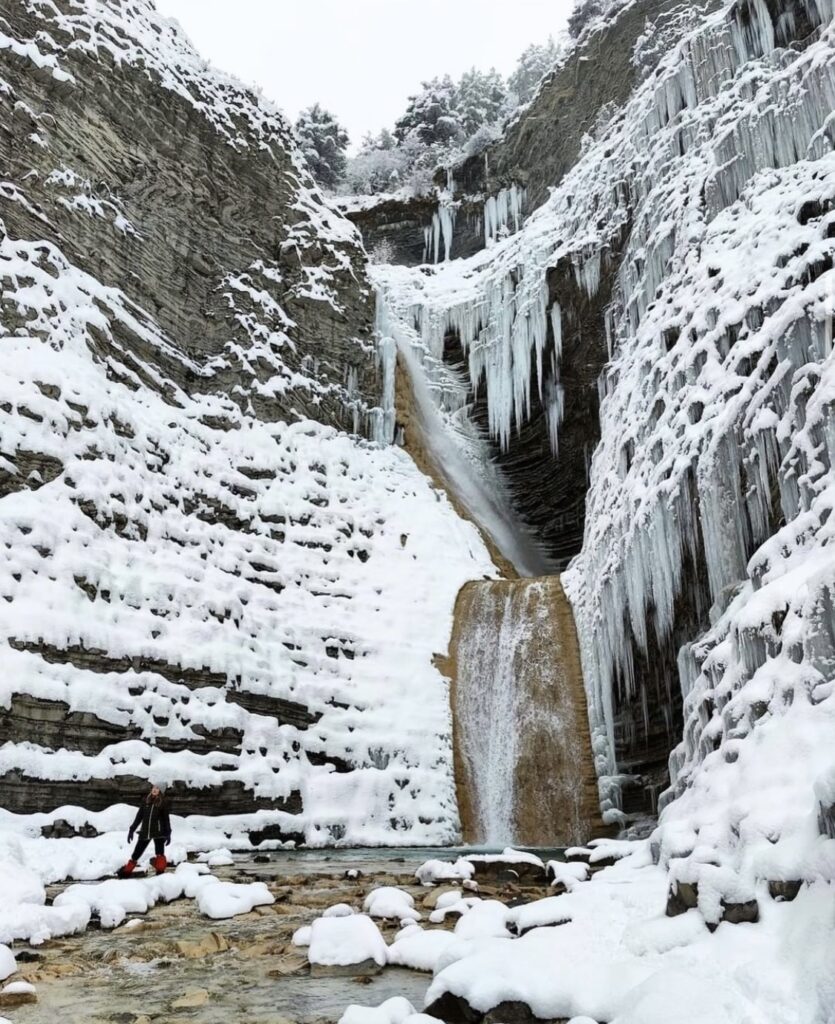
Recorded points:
(481, 99)
(431, 115)
(535, 62)
(584, 11)
(324, 142)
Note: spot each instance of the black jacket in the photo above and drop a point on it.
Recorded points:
(152, 821)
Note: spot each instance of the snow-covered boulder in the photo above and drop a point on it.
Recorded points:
(391, 904)
(346, 945)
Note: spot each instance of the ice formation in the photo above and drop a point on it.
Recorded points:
(705, 205)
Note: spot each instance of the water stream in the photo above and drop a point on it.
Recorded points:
(524, 760)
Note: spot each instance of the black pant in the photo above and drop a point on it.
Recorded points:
(142, 846)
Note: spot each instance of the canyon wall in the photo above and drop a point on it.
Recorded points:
(206, 581)
(686, 253)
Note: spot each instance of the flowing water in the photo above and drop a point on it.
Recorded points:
(523, 750)
(245, 969)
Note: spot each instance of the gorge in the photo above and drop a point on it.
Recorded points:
(520, 536)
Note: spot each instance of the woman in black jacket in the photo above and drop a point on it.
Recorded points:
(153, 823)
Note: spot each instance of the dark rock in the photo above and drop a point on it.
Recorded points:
(366, 969)
(683, 896)
(285, 712)
(454, 1010)
(784, 891)
(23, 794)
(741, 913)
(62, 829)
(498, 872)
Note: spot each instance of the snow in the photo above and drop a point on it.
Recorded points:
(420, 950)
(217, 858)
(344, 941)
(302, 936)
(567, 874)
(298, 601)
(391, 903)
(619, 957)
(393, 1011)
(8, 964)
(338, 910)
(229, 899)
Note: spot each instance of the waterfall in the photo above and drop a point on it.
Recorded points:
(523, 749)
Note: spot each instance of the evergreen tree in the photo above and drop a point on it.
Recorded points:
(431, 116)
(535, 62)
(481, 99)
(323, 141)
(584, 11)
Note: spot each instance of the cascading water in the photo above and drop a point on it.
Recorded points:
(523, 749)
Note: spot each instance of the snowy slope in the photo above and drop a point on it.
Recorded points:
(202, 587)
(708, 199)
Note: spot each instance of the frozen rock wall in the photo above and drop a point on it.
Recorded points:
(206, 582)
(697, 221)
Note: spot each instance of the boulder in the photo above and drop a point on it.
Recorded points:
(683, 896)
(784, 891)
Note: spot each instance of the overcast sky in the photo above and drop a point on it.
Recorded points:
(361, 58)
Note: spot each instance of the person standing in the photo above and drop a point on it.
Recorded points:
(151, 824)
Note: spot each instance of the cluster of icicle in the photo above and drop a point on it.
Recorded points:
(721, 302)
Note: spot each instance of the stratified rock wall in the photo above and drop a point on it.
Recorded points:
(202, 570)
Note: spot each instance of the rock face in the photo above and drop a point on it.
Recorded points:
(523, 754)
(197, 586)
(595, 351)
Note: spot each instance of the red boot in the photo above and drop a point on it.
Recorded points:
(127, 870)
(160, 864)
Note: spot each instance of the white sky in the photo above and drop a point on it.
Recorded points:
(361, 58)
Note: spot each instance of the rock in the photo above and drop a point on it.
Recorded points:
(431, 899)
(514, 872)
(212, 943)
(683, 896)
(366, 968)
(454, 1010)
(515, 1013)
(741, 913)
(782, 891)
(192, 1000)
(17, 993)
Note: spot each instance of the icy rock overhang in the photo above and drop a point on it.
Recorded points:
(202, 574)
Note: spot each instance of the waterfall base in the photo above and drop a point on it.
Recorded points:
(524, 766)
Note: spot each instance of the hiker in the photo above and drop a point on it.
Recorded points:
(152, 822)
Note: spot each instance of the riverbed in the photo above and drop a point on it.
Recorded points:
(174, 965)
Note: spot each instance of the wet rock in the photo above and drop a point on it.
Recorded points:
(782, 891)
(364, 969)
(18, 993)
(502, 872)
(212, 943)
(192, 1000)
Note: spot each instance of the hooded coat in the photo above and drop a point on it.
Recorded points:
(152, 820)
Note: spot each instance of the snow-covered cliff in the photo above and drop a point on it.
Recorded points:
(205, 582)
(698, 221)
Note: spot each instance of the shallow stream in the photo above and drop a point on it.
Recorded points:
(174, 965)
